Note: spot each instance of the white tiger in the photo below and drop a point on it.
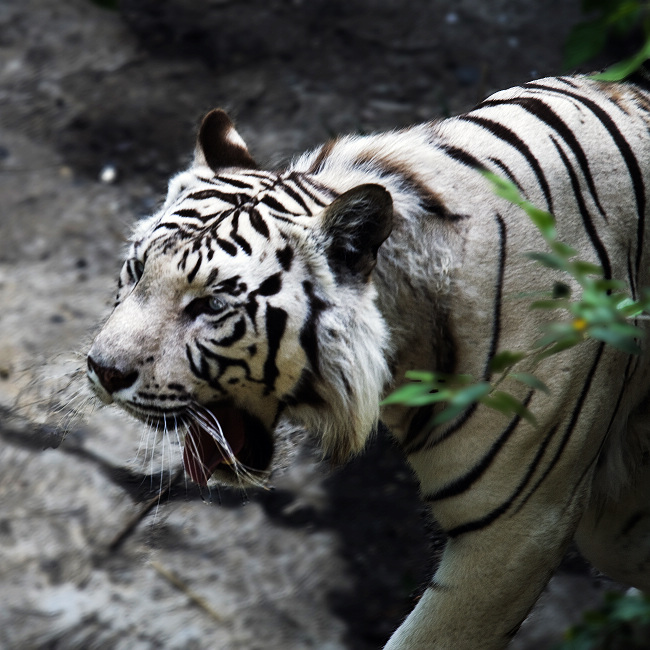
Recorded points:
(256, 305)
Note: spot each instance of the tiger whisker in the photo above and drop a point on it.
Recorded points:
(212, 426)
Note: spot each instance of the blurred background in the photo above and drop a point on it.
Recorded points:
(103, 544)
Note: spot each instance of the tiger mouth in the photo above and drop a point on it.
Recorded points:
(226, 439)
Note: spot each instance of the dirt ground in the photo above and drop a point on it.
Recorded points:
(97, 108)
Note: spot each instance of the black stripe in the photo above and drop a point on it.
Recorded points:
(569, 430)
(498, 298)
(271, 285)
(274, 204)
(308, 333)
(188, 213)
(584, 213)
(233, 182)
(285, 257)
(251, 309)
(305, 392)
(192, 274)
(486, 520)
(223, 362)
(464, 482)
(167, 226)
(494, 344)
(321, 158)
(238, 332)
(232, 199)
(509, 136)
(233, 286)
(542, 111)
(276, 322)
(295, 195)
(507, 172)
(212, 277)
(242, 243)
(183, 261)
(226, 246)
(462, 156)
(202, 371)
(417, 425)
(310, 187)
(237, 238)
(215, 323)
(626, 152)
(565, 80)
(403, 174)
(130, 271)
(258, 223)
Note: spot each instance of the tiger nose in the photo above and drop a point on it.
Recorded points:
(112, 379)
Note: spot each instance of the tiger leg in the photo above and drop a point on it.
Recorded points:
(489, 579)
(615, 535)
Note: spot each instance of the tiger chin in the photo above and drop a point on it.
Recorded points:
(257, 307)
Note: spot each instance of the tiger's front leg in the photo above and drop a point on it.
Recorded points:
(490, 577)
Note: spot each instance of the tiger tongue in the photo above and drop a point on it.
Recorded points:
(202, 455)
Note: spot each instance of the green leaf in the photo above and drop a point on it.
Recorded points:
(544, 221)
(632, 608)
(421, 375)
(580, 267)
(503, 188)
(609, 285)
(466, 396)
(627, 329)
(549, 260)
(429, 398)
(584, 42)
(505, 359)
(448, 414)
(629, 308)
(439, 379)
(618, 340)
(405, 394)
(558, 347)
(459, 400)
(530, 380)
(508, 404)
(619, 71)
(562, 249)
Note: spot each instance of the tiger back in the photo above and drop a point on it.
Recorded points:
(259, 305)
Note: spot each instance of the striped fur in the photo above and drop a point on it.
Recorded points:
(281, 302)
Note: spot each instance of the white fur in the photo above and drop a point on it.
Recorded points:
(444, 296)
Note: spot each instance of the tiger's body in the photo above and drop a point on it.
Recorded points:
(278, 302)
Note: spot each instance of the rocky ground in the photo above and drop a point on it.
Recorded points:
(103, 544)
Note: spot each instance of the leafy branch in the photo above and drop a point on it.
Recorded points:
(601, 310)
(622, 622)
(618, 18)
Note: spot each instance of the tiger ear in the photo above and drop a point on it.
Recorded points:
(355, 226)
(219, 145)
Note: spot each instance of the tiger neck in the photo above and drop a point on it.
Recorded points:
(415, 264)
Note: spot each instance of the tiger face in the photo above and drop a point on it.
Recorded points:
(241, 311)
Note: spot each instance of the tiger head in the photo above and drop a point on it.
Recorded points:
(246, 313)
